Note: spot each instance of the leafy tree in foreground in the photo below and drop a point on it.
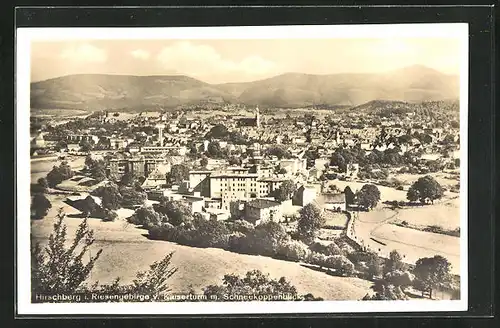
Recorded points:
(254, 286)
(40, 206)
(311, 220)
(431, 272)
(368, 196)
(61, 269)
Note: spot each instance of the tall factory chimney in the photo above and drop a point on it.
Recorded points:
(160, 128)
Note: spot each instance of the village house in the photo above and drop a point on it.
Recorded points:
(262, 210)
(330, 201)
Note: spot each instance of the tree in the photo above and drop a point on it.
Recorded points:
(62, 269)
(111, 197)
(394, 262)
(58, 174)
(89, 161)
(109, 215)
(254, 286)
(349, 195)
(214, 150)
(311, 220)
(61, 145)
(217, 132)
(285, 191)
(204, 162)
(97, 168)
(128, 179)
(425, 188)
(339, 160)
(131, 197)
(282, 171)
(146, 216)
(412, 195)
(154, 281)
(176, 211)
(40, 206)
(431, 272)
(233, 160)
(86, 145)
(279, 152)
(368, 196)
(43, 184)
(88, 206)
(385, 291)
(374, 266)
(177, 174)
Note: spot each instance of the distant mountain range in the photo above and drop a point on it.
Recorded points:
(100, 91)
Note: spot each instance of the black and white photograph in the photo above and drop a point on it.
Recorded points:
(260, 169)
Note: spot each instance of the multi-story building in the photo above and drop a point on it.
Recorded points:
(139, 166)
(178, 150)
(77, 138)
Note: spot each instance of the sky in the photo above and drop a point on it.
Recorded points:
(223, 60)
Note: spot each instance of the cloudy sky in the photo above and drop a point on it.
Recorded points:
(220, 61)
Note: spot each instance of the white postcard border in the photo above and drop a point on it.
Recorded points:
(24, 37)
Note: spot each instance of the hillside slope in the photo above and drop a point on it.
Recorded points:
(99, 91)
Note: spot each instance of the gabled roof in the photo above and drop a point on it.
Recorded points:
(329, 198)
(262, 203)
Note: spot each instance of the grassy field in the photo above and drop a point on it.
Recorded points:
(446, 215)
(40, 168)
(444, 179)
(414, 244)
(335, 219)
(386, 193)
(126, 250)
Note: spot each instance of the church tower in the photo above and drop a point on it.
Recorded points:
(257, 117)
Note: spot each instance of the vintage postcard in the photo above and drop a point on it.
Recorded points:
(242, 170)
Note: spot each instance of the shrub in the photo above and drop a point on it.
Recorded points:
(293, 250)
(254, 286)
(40, 206)
(316, 259)
(209, 233)
(109, 216)
(242, 226)
(263, 240)
(341, 265)
(176, 211)
(331, 249)
(146, 216)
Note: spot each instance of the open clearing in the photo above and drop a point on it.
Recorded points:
(412, 244)
(446, 215)
(40, 167)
